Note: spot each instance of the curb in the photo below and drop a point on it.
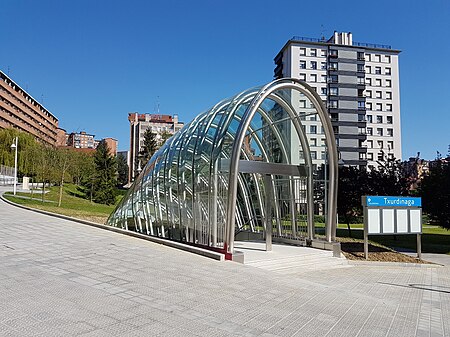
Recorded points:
(173, 244)
(393, 264)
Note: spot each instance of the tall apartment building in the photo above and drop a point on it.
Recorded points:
(19, 110)
(139, 123)
(359, 84)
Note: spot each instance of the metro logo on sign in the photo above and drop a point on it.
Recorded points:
(390, 201)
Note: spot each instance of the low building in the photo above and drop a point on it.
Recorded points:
(81, 140)
(20, 111)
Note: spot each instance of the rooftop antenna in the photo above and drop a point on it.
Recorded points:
(322, 31)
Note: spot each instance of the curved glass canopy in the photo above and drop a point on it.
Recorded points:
(265, 157)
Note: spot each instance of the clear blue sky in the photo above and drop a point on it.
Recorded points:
(95, 61)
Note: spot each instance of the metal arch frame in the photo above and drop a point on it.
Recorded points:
(265, 92)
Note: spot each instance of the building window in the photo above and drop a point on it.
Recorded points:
(370, 144)
(333, 91)
(367, 57)
(368, 81)
(333, 79)
(390, 132)
(361, 105)
(333, 104)
(380, 156)
(387, 58)
(388, 107)
(380, 144)
(323, 65)
(388, 95)
(302, 51)
(313, 65)
(333, 66)
(360, 55)
(390, 145)
(379, 107)
(369, 118)
(313, 52)
(361, 80)
(389, 119)
(323, 78)
(377, 58)
(323, 52)
(333, 53)
(313, 78)
(360, 68)
(361, 93)
(387, 71)
(323, 91)
(370, 156)
(379, 119)
(377, 70)
(369, 105)
(388, 83)
(313, 142)
(313, 129)
(302, 64)
(302, 77)
(369, 131)
(378, 82)
(369, 93)
(362, 156)
(303, 104)
(368, 69)
(379, 131)
(313, 155)
(361, 118)
(378, 94)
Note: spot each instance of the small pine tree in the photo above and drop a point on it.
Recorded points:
(149, 148)
(105, 181)
(122, 170)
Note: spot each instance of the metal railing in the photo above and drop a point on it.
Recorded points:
(356, 44)
(6, 175)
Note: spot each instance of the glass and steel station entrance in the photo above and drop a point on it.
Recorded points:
(249, 164)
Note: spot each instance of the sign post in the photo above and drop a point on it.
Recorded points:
(392, 215)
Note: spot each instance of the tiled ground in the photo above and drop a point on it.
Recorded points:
(60, 278)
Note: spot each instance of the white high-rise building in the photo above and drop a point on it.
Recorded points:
(359, 84)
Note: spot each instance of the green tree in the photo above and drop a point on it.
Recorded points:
(164, 137)
(64, 159)
(122, 170)
(148, 149)
(435, 192)
(353, 184)
(389, 179)
(105, 181)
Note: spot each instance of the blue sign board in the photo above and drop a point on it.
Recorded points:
(389, 201)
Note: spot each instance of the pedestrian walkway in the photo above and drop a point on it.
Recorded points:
(61, 278)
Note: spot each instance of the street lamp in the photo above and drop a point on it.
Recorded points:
(14, 146)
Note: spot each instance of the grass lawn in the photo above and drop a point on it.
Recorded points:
(72, 203)
(434, 238)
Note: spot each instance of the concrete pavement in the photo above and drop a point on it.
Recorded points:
(61, 278)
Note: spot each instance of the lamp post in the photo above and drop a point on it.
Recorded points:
(14, 146)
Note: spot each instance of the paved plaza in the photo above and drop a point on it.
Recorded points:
(62, 278)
